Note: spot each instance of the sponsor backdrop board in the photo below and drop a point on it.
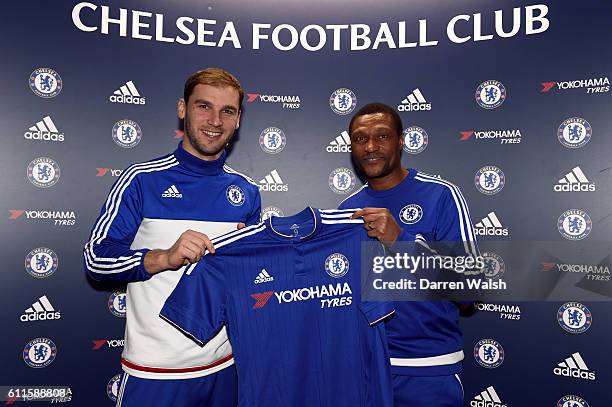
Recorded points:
(509, 100)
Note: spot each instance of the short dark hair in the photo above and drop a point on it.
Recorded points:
(372, 108)
(217, 77)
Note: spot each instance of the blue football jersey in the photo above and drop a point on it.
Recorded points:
(424, 337)
(288, 291)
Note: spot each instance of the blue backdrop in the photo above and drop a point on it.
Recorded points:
(552, 60)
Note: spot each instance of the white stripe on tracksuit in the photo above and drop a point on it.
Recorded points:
(353, 194)
(460, 384)
(121, 389)
(233, 171)
(110, 265)
(465, 223)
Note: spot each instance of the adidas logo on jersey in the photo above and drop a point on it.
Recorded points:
(44, 130)
(342, 144)
(127, 94)
(490, 226)
(574, 366)
(574, 181)
(41, 310)
(263, 277)
(273, 183)
(487, 398)
(172, 192)
(415, 101)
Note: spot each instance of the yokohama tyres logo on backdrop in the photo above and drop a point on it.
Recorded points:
(98, 344)
(508, 136)
(592, 85)
(56, 217)
(286, 101)
(101, 172)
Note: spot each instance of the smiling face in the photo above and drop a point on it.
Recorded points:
(375, 145)
(211, 116)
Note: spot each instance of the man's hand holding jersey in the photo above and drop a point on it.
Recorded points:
(189, 248)
(380, 224)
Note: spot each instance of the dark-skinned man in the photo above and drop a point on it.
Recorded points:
(425, 341)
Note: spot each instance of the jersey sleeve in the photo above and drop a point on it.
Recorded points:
(374, 311)
(255, 214)
(196, 307)
(107, 254)
(377, 311)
